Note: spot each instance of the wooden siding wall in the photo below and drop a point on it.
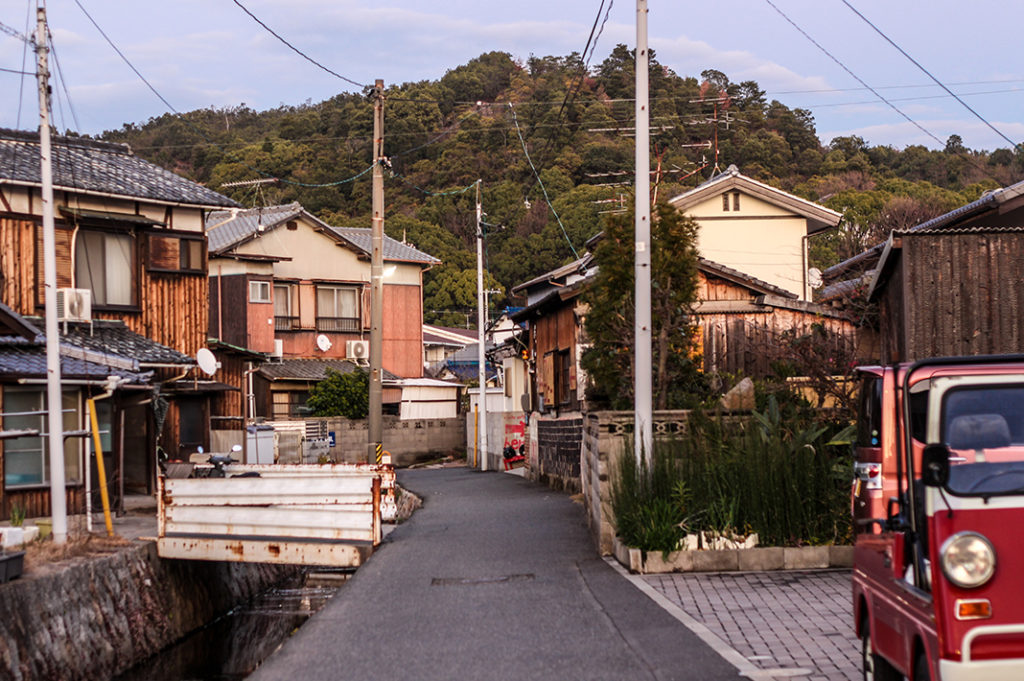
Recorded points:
(229, 402)
(713, 288)
(748, 343)
(555, 332)
(955, 294)
(17, 245)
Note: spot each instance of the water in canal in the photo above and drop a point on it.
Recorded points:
(230, 648)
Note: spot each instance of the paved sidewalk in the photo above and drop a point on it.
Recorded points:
(797, 623)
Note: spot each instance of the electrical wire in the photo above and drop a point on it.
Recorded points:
(541, 183)
(406, 182)
(198, 131)
(852, 74)
(297, 50)
(63, 82)
(929, 74)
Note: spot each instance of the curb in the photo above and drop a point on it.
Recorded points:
(733, 560)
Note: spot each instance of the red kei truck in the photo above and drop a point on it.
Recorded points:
(938, 511)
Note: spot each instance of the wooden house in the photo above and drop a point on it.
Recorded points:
(131, 277)
(899, 279)
(287, 286)
(950, 291)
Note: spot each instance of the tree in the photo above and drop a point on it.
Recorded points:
(609, 322)
(341, 394)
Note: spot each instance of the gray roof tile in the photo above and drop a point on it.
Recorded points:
(22, 358)
(227, 229)
(113, 337)
(310, 369)
(90, 165)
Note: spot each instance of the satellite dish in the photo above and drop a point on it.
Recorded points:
(323, 342)
(814, 277)
(206, 361)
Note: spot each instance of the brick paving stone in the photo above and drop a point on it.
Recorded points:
(777, 620)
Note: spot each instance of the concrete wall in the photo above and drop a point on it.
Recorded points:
(409, 441)
(607, 435)
(503, 427)
(96, 618)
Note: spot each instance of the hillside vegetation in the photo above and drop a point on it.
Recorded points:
(576, 123)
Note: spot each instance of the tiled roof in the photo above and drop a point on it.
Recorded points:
(310, 369)
(103, 167)
(22, 358)
(393, 249)
(227, 229)
(742, 278)
(113, 337)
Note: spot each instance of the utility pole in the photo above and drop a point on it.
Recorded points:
(54, 402)
(481, 317)
(642, 390)
(375, 430)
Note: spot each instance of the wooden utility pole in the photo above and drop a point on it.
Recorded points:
(375, 428)
(54, 402)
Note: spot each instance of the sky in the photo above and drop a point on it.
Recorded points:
(202, 53)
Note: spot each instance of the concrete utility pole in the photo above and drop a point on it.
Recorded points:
(481, 316)
(375, 430)
(642, 369)
(54, 403)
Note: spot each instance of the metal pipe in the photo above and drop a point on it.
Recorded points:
(481, 316)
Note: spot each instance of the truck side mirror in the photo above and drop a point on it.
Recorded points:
(935, 465)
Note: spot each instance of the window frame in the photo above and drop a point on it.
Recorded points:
(288, 321)
(337, 323)
(186, 253)
(72, 416)
(81, 233)
(254, 285)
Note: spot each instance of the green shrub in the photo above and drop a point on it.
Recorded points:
(785, 478)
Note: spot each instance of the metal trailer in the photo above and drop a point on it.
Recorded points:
(327, 514)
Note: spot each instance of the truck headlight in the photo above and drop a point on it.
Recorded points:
(968, 559)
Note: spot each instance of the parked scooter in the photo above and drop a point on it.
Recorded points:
(218, 462)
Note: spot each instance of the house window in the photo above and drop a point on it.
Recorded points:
(290, 404)
(175, 254)
(284, 319)
(725, 201)
(259, 291)
(735, 201)
(105, 264)
(27, 459)
(337, 308)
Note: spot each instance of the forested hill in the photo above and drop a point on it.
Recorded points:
(576, 123)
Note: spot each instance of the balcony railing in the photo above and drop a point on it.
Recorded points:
(343, 324)
(285, 323)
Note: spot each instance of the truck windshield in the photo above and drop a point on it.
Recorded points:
(984, 429)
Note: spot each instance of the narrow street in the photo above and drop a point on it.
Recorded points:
(496, 578)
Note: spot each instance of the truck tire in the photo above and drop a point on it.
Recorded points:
(874, 667)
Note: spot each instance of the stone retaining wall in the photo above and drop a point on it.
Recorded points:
(729, 560)
(97, 617)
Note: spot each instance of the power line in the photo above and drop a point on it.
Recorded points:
(199, 131)
(541, 183)
(852, 74)
(297, 50)
(63, 81)
(928, 73)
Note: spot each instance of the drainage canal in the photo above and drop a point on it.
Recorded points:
(230, 648)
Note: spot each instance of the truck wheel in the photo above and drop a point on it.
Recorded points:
(921, 671)
(873, 666)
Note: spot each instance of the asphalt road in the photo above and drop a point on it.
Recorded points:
(494, 578)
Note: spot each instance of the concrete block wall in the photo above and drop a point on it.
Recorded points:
(409, 441)
(607, 435)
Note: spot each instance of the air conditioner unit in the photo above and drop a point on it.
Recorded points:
(74, 305)
(278, 348)
(357, 349)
